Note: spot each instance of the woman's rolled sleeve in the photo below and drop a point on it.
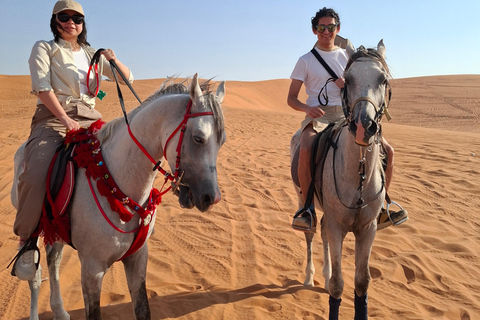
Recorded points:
(107, 71)
(39, 63)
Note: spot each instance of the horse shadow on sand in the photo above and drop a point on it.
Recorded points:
(180, 304)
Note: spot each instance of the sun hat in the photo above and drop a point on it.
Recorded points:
(68, 5)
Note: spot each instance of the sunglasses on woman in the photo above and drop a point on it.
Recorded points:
(65, 17)
(331, 27)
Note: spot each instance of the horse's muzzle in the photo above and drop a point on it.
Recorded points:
(364, 128)
(204, 202)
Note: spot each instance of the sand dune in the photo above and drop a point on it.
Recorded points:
(241, 260)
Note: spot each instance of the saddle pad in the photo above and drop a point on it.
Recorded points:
(61, 180)
(66, 190)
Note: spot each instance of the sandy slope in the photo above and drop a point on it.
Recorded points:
(241, 260)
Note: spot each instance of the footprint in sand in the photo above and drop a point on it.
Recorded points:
(409, 274)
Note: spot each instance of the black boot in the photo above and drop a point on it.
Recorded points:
(361, 310)
(334, 308)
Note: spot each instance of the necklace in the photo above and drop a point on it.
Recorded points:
(75, 46)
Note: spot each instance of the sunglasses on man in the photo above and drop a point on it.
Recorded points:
(65, 17)
(331, 27)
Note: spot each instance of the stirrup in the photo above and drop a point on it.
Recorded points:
(392, 218)
(307, 213)
(30, 245)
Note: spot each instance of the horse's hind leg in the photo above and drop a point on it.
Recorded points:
(54, 257)
(310, 269)
(136, 272)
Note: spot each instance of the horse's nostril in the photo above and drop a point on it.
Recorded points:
(208, 199)
(372, 128)
(353, 127)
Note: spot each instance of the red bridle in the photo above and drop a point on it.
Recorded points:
(176, 179)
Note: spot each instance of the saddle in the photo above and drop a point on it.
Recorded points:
(325, 142)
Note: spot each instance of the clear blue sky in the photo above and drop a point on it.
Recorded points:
(252, 40)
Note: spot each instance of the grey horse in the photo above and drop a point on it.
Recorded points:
(352, 187)
(99, 245)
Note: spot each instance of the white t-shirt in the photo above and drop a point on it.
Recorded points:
(314, 76)
(82, 63)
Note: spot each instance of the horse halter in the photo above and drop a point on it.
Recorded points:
(379, 110)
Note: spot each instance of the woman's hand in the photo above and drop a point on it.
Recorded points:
(109, 54)
(69, 123)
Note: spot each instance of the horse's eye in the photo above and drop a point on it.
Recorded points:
(199, 140)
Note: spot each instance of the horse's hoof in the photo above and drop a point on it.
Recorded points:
(64, 316)
(309, 283)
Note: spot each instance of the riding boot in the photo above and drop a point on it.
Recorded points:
(334, 305)
(361, 310)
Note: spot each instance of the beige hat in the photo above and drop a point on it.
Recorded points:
(68, 5)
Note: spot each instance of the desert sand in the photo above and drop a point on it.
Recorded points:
(242, 260)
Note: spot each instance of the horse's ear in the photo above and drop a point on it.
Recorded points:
(195, 91)
(220, 92)
(350, 49)
(381, 49)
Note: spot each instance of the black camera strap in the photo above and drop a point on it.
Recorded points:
(324, 64)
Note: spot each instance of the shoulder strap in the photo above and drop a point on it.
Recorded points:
(324, 64)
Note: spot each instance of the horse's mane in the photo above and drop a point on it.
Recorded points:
(362, 52)
(172, 87)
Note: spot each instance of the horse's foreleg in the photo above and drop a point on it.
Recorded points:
(335, 242)
(136, 271)
(327, 266)
(335, 237)
(54, 257)
(310, 269)
(34, 285)
(92, 278)
(363, 247)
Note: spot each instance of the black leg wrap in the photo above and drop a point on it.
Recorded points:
(334, 308)
(361, 310)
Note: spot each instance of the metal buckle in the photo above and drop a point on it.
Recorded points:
(176, 185)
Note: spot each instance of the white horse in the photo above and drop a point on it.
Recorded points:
(99, 245)
(352, 189)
